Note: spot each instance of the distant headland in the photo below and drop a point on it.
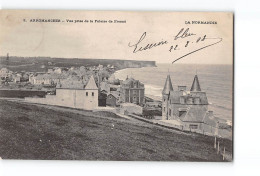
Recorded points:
(37, 64)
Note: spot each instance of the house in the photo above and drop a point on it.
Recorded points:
(16, 78)
(50, 63)
(78, 95)
(189, 108)
(46, 79)
(50, 70)
(112, 98)
(4, 71)
(130, 108)
(40, 79)
(132, 91)
(5, 74)
(73, 94)
(57, 70)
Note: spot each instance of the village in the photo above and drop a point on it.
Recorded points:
(95, 88)
(89, 88)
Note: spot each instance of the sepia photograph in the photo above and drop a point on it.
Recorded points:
(116, 85)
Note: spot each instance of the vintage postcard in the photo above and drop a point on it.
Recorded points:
(116, 85)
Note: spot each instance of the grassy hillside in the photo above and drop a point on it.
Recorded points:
(42, 132)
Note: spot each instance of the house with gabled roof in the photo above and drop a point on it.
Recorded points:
(188, 107)
(75, 94)
(112, 98)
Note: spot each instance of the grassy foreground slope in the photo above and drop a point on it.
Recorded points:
(40, 132)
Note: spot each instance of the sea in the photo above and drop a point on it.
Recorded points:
(215, 80)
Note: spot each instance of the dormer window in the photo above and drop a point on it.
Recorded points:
(181, 113)
(197, 100)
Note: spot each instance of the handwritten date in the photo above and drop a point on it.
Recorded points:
(183, 36)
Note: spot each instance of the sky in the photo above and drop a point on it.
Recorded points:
(20, 37)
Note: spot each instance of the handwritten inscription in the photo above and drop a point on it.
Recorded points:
(148, 46)
(183, 34)
(183, 39)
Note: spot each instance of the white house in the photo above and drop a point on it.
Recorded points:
(4, 73)
(74, 95)
(57, 70)
(78, 96)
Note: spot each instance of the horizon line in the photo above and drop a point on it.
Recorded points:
(115, 59)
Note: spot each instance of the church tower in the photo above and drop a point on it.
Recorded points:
(165, 97)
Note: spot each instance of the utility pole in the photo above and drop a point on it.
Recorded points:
(218, 148)
(224, 152)
(215, 143)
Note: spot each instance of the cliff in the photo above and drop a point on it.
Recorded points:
(38, 64)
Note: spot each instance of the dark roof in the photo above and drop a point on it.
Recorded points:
(194, 114)
(210, 120)
(195, 85)
(201, 95)
(168, 85)
(114, 94)
(129, 82)
(198, 114)
(176, 95)
(77, 84)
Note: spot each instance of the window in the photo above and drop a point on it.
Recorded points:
(192, 126)
(170, 112)
(181, 113)
(92, 93)
(163, 109)
(182, 100)
(86, 93)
